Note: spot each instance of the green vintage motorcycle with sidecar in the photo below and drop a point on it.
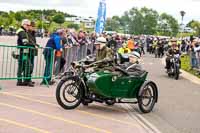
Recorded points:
(110, 84)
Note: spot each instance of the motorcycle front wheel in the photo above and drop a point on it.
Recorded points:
(177, 72)
(68, 94)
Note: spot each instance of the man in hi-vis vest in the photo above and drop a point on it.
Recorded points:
(24, 63)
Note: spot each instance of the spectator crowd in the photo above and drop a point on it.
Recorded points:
(64, 38)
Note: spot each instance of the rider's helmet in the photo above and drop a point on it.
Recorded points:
(173, 42)
(101, 41)
(135, 54)
(134, 57)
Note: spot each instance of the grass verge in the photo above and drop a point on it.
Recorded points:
(185, 65)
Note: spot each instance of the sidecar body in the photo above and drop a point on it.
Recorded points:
(112, 85)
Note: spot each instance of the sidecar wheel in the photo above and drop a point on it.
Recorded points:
(147, 97)
(69, 95)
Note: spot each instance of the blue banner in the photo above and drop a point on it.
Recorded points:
(101, 19)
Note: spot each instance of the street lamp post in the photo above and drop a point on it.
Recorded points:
(182, 16)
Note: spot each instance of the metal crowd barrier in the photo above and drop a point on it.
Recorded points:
(76, 53)
(25, 63)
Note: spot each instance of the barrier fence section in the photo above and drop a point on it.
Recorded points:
(76, 53)
(25, 63)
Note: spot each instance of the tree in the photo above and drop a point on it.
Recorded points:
(41, 25)
(112, 24)
(190, 23)
(168, 25)
(134, 24)
(150, 21)
(15, 18)
(59, 18)
(75, 26)
(140, 21)
(195, 25)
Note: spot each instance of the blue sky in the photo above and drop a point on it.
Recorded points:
(114, 7)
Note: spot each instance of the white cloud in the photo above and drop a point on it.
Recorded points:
(114, 7)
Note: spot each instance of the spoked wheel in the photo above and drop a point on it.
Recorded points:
(147, 97)
(69, 94)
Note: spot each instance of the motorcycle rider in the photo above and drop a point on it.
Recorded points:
(103, 52)
(173, 50)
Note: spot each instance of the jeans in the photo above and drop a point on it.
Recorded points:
(58, 64)
(47, 72)
(194, 62)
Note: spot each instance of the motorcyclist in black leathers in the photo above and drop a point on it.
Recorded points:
(173, 50)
